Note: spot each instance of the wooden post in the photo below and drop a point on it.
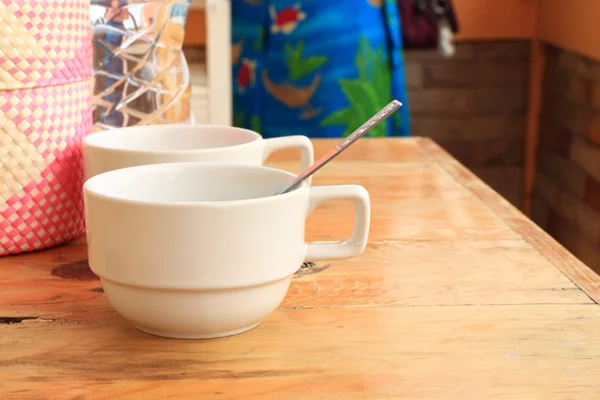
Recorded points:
(536, 77)
(218, 55)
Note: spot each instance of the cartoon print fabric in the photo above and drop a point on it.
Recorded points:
(317, 68)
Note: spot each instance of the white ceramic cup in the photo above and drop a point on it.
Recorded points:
(203, 250)
(157, 144)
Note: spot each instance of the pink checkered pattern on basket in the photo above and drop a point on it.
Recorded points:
(44, 42)
(41, 167)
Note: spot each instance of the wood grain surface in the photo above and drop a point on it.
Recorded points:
(457, 296)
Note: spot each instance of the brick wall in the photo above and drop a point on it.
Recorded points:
(474, 105)
(566, 200)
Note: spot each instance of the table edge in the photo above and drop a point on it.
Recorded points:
(562, 259)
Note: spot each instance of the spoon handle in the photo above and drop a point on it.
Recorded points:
(344, 144)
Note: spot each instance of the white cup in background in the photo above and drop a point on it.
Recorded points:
(156, 144)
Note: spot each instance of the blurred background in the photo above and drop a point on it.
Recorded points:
(518, 103)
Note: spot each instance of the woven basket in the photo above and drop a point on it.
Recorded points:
(41, 167)
(45, 110)
(44, 43)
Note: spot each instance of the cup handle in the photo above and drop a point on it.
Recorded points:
(354, 246)
(302, 143)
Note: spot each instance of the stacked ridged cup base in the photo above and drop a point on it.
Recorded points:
(45, 111)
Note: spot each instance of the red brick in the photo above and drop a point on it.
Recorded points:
(455, 73)
(552, 54)
(554, 138)
(565, 85)
(593, 131)
(555, 226)
(507, 180)
(564, 171)
(575, 62)
(587, 155)
(592, 193)
(595, 96)
(579, 64)
(579, 89)
(569, 115)
(452, 128)
(574, 241)
(540, 211)
(482, 152)
(501, 100)
(515, 50)
(443, 101)
(546, 189)
(464, 51)
(569, 207)
(414, 75)
(556, 78)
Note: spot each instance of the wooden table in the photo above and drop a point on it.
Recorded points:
(458, 296)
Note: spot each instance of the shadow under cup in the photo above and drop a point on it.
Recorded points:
(202, 250)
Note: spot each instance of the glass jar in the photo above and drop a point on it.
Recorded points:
(141, 76)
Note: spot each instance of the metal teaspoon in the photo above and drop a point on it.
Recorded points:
(381, 115)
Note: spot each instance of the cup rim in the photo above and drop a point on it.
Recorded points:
(94, 139)
(191, 204)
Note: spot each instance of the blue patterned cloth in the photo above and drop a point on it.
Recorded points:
(318, 68)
